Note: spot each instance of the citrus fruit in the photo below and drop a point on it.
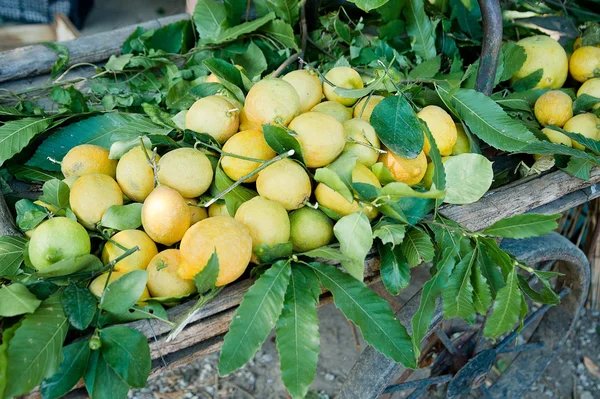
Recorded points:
(585, 63)
(186, 170)
(245, 124)
(70, 180)
(553, 108)
(165, 215)
(223, 234)
(248, 143)
(590, 87)
(360, 137)
(321, 137)
(271, 101)
(57, 239)
(163, 280)
(344, 77)
(463, 144)
(49, 207)
(91, 195)
(215, 116)
(335, 109)
(333, 200)
(309, 229)
(584, 124)
(557, 137)
(87, 158)
(266, 220)
(364, 108)
(285, 182)
(442, 129)
(405, 170)
(135, 175)
(197, 213)
(130, 239)
(218, 209)
(308, 86)
(547, 54)
(97, 285)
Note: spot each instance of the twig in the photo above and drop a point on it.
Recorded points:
(321, 49)
(203, 300)
(227, 154)
(303, 30)
(291, 59)
(354, 335)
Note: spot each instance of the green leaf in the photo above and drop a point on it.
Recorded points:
(127, 352)
(117, 63)
(210, 18)
(328, 253)
(468, 16)
(172, 38)
(9, 111)
(383, 174)
(15, 135)
(417, 247)
(101, 380)
(420, 29)
(398, 127)
(579, 168)
(281, 141)
(72, 265)
(468, 178)
(124, 292)
(15, 299)
(282, 32)
(153, 310)
(439, 172)
(56, 193)
(379, 326)
(34, 352)
(235, 10)
(252, 60)
(287, 10)
(255, 317)
(338, 175)
(123, 217)
(588, 143)
(63, 57)
(234, 198)
(133, 43)
(157, 116)
(528, 82)
(514, 56)
(206, 89)
(356, 239)
(29, 215)
(30, 174)
(482, 296)
(206, 279)
(229, 76)
(70, 371)
(427, 69)
(414, 209)
(524, 226)
(389, 232)
(458, 294)
(79, 305)
(298, 331)
(506, 310)
(394, 269)
(584, 102)
(268, 254)
(489, 271)
(233, 33)
(548, 148)
(179, 97)
(545, 295)
(11, 254)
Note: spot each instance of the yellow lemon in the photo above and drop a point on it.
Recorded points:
(553, 108)
(321, 137)
(91, 195)
(442, 129)
(332, 108)
(361, 141)
(557, 137)
(218, 209)
(285, 182)
(87, 158)
(213, 115)
(223, 234)
(344, 77)
(269, 101)
(251, 144)
(197, 213)
(584, 124)
(70, 180)
(310, 229)
(308, 86)
(246, 124)
(130, 239)
(135, 175)
(165, 215)
(545, 53)
(163, 279)
(186, 170)
(97, 286)
(585, 63)
(405, 170)
(364, 108)
(590, 87)
(463, 144)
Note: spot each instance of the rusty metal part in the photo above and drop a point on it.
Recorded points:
(491, 45)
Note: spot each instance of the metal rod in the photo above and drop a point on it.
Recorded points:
(445, 339)
(491, 45)
(522, 348)
(417, 392)
(417, 384)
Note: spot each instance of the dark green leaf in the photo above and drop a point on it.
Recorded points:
(101, 380)
(458, 294)
(153, 310)
(420, 29)
(579, 168)
(468, 16)
(343, 30)
(282, 32)
(588, 143)
(417, 247)
(498, 256)
(56, 193)
(524, 226)
(287, 10)
(29, 215)
(235, 10)
(394, 269)
(179, 97)
(134, 43)
(127, 352)
(482, 297)
(514, 56)
(252, 60)
(268, 254)
(489, 271)
(63, 57)
(11, 254)
(15, 135)
(414, 209)
(70, 371)
(427, 69)
(30, 174)
(206, 89)
(356, 239)
(439, 172)
(507, 308)
(229, 76)
(281, 141)
(545, 295)
(206, 279)
(468, 178)
(210, 18)
(172, 38)
(389, 232)
(528, 82)
(158, 116)
(233, 33)
(234, 198)
(328, 253)
(124, 292)
(584, 102)
(123, 217)
(15, 299)
(79, 305)
(6, 335)
(9, 111)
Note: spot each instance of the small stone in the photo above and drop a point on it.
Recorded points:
(329, 377)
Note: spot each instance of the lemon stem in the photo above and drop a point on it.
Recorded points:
(112, 263)
(203, 300)
(228, 154)
(249, 175)
(151, 161)
(377, 150)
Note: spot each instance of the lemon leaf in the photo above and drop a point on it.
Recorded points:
(584, 102)
(30, 174)
(11, 254)
(468, 178)
(123, 217)
(524, 226)
(282, 32)
(68, 266)
(506, 309)
(56, 193)
(420, 29)
(417, 247)
(71, 369)
(15, 299)
(207, 278)
(16, 135)
(356, 239)
(123, 293)
(127, 352)
(268, 254)
(79, 305)
(101, 380)
(281, 141)
(210, 18)
(394, 269)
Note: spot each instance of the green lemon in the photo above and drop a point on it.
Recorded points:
(309, 229)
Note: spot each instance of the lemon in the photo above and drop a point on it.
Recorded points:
(165, 215)
(321, 137)
(251, 144)
(266, 220)
(130, 239)
(57, 239)
(197, 213)
(364, 108)
(333, 200)
(308, 86)
(135, 175)
(97, 285)
(215, 116)
(218, 209)
(361, 139)
(332, 108)
(591, 87)
(584, 124)
(271, 100)
(545, 53)
(405, 170)
(246, 124)
(585, 63)
(163, 280)
(186, 170)
(310, 229)
(463, 144)
(442, 129)
(285, 182)
(49, 207)
(223, 234)
(344, 77)
(91, 195)
(557, 137)
(553, 108)
(87, 158)
(70, 180)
